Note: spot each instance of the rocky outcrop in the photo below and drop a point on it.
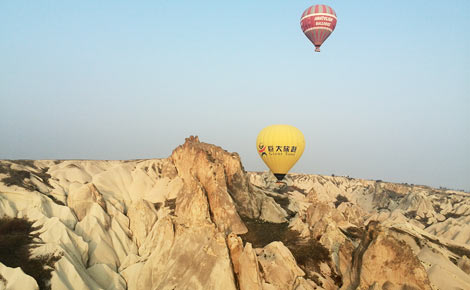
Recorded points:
(198, 220)
(245, 264)
(81, 199)
(142, 216)
(205, 174)
(382, 260)
(280, 270)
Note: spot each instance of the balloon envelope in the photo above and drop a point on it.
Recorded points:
(317, 23)
(280, 146)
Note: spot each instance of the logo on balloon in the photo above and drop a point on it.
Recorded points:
(262, 150)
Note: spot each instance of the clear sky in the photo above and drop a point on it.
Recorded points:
(387, 98)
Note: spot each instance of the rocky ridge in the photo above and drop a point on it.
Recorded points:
(198, 220)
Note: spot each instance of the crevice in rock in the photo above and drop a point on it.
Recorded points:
(358, 253)
(235, 275)
(211, 213)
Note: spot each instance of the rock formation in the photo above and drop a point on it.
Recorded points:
(198, 220)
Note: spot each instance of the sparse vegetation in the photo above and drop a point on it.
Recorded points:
(308, 253)
(395, 196)
(25, 162)
(171, 203)
(340, 199)
(261, 233)
(424, 220)
(452, 215)
(17, 238)
(158, 205)
(353, 232)
(411, 214)
(283, 201)
(295, 188)
(21, 178)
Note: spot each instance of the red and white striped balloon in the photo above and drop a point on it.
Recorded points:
(318, 22)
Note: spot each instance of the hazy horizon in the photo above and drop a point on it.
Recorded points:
(387, 98)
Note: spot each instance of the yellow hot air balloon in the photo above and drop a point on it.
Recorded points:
(280, 146)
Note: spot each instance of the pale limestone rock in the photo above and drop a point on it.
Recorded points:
(443, 273)
(141, 183)
(70, 171)
(122, 244)
(245, 264)
(130, 260)
(81, 199)
(462, 209)
(35, 205)
(249, 275)
(197, 258)
(400, 189)
(324, 221)
(257, 179)
(416, 202)
(387, 260)
(192, 207)
(455, 229)
(160, 237)
(38, 183)
(271, 211)
(101, 248)
(16, 279)
(352, 213)
(164, 189)
(343, 261)
(116, 226)
(222, 208)
(440, 217)
(235, 246)
(114, 183)
(117, 215)
(56, 233)
(142, 216)
(106, 277)
(109, 243)
(279, 266)
(163, 241)
(131, 275)
(69, 274)
(7, 208)
(296, 224)
(298, 202)
(317, 212)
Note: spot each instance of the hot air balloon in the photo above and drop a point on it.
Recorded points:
(318, 22)
(280, 146)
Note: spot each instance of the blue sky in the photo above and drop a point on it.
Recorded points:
(387, 98)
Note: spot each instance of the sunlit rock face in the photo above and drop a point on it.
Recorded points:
(198, 220)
